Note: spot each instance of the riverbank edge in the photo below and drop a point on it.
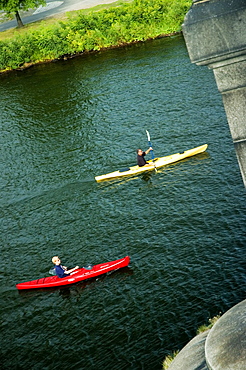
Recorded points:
(71, 56)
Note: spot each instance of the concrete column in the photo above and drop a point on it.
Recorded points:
(215, 35)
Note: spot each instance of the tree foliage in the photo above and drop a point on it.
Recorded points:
(14, 6)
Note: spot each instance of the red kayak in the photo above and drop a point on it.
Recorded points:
(79, 275)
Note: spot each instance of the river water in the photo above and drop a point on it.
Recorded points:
(184, 227)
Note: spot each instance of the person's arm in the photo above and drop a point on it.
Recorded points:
(71, 270)
(148, 150)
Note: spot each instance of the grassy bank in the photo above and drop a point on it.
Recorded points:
(85, 31)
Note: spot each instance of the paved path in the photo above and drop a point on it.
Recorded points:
(52, 8)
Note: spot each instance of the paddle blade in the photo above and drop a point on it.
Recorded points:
(148, 135)
(152, 152)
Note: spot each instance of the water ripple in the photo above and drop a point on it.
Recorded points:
(184, 226)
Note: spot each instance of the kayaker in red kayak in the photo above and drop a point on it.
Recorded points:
(140, 157)
(62, 271)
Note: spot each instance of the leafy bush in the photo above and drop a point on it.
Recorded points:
(135, 21)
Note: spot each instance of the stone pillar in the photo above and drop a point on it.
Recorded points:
(215, 35)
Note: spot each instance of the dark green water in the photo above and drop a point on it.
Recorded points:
(184, 227)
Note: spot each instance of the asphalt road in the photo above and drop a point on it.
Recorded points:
(52, 8)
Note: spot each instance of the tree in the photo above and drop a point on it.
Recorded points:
(14, 6)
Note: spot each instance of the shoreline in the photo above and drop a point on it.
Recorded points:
(66, 57)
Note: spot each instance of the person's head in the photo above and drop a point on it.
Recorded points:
(139, 151)
(56, 260)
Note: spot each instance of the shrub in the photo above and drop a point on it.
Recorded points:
(134, 21)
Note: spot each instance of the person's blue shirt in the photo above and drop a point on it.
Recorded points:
(60, 272)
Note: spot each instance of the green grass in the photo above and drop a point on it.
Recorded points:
(169, 359)
(204, 327)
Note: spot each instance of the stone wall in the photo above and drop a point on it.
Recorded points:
(215, 35)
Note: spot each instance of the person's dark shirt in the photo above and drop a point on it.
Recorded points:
(141, 160)
(60, 272)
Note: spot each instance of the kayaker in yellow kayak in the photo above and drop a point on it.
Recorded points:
(140, 157)
(62, 271)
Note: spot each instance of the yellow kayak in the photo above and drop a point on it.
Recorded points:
(152, 165)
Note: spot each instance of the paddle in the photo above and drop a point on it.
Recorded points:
(152, 151)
